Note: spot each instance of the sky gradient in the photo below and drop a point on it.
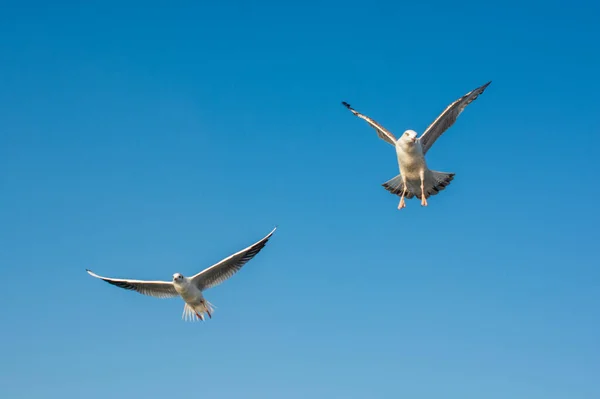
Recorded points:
(144, 139)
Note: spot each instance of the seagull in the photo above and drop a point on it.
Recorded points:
(190, 288)
(415, 178)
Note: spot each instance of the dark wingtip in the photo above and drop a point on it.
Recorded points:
(345, 104)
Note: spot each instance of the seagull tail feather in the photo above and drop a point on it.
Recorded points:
(193, 314)
(434, 183)
(189, 314)
(437, 182)
(396, 186)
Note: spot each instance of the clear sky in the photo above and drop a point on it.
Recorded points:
(144, 139)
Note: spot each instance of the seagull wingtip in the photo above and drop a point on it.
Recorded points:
(91, 273)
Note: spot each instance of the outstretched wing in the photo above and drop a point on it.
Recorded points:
(226, 268)
(382, 132)
(158, 289)
(448, 117)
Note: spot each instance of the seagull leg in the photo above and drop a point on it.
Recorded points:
(423, 196)
(207, 307)
(200, 316)
(402, 203)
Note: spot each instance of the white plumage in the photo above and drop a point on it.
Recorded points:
(415, 178)
(190, 288)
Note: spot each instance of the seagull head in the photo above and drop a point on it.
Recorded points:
(177, 277)
(409, 136)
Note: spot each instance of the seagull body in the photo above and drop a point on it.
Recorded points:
(195, 304)
(190, 289)
(415, 178)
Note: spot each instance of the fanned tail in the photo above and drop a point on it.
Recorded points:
(191, 314)
(209, 307)
(440, 181)
(396, 186)
(434, 183)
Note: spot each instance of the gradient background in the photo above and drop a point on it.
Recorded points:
(143, 139)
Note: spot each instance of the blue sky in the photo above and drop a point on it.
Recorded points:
(143, 139)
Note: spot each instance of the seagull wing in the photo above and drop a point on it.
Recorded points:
(382, 132)
(448, 117)
(226, 268)
(158, 289)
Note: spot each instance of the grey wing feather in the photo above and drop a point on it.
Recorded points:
(448, 117)
(382, 132)
(158, 289)
(226, 268)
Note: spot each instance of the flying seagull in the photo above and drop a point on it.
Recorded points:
(415, 178)
(190, 288)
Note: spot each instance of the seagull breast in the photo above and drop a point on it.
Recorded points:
(410, 157)
(186, 289)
